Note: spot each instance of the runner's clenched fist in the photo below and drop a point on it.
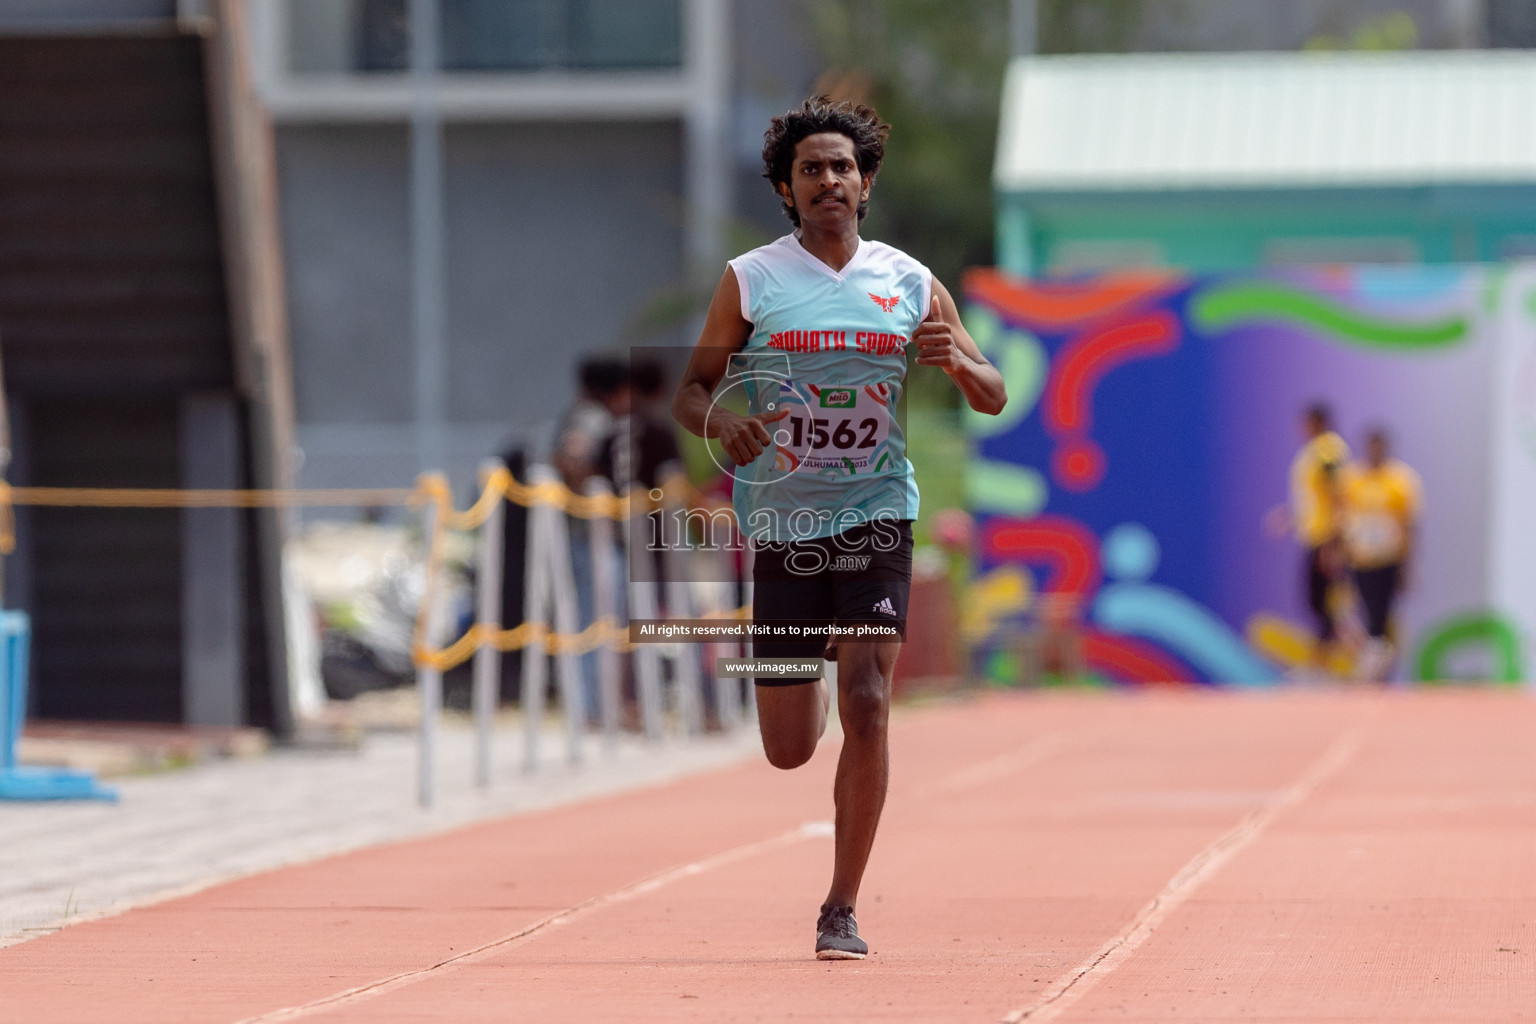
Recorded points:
(743, 438)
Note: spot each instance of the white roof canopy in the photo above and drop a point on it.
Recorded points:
(1267, 120)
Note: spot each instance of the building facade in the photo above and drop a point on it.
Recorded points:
(589, 171)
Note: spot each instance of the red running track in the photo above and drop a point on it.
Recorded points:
(1173, 856)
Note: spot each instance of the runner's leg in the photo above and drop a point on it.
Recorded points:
(791, 713)
(792, 719)
(863, 769)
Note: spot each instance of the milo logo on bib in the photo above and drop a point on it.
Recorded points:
(839, 398)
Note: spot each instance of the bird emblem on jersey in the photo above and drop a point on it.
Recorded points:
(887, 304)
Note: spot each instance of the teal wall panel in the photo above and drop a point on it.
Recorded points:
(1225, 230)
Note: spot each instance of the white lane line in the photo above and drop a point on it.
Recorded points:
(810, 830)
(1031, 753)
(1076, 983)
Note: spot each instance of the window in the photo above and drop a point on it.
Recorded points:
(1518, 247)
(1511, 23)
(1283, 252)
(524, 35)
(1087, 255)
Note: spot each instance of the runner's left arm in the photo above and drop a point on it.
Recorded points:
(943, 341)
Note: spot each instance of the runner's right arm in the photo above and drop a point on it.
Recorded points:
(725, 332)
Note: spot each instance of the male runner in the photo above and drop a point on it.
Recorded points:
(814, 328)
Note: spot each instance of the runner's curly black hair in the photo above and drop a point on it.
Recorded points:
(816, 115)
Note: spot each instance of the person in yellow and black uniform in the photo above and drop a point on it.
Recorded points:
(1381, 499)
(1315, 515)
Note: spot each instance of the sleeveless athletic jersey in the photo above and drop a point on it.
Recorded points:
(830, 348)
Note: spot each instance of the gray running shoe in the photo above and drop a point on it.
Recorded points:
(837, 935)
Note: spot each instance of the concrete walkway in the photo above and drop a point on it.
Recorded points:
(180, 831)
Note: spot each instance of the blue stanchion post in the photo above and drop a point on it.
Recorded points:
(25, 782)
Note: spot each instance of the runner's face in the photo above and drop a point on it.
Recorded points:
(825, 186)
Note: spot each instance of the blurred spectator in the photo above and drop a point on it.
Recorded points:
(581, 451)
(602, 401)
(652, 443)
(1314, 517)
(638, 447)
(1381, 508)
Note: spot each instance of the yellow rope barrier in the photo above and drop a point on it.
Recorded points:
(500, 484)
(430, 489)
(147, 497)
(602, 633)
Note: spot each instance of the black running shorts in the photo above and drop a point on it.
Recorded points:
(862, 575)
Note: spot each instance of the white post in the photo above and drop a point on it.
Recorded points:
(605, 584)
(426, 208)
(551, 588)
(488, 581)
(643, 604)
(727, 689)
(535, 610)
(688, 681)
(429, 681)
(718, 599)
(567, 622)
(748, 556)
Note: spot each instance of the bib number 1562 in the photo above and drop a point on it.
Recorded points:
(836, 429)
(817, 433)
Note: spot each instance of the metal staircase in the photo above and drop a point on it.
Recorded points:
(115, 314)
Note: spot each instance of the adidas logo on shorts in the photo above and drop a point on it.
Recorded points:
(884, 607)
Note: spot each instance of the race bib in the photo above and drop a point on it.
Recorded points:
(1374, 537)
(834, 430)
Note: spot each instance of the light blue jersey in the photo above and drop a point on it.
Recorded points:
(830, 347)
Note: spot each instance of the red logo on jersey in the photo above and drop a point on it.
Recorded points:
(889, 304)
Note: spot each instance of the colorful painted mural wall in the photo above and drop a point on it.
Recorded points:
(1151, 425)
